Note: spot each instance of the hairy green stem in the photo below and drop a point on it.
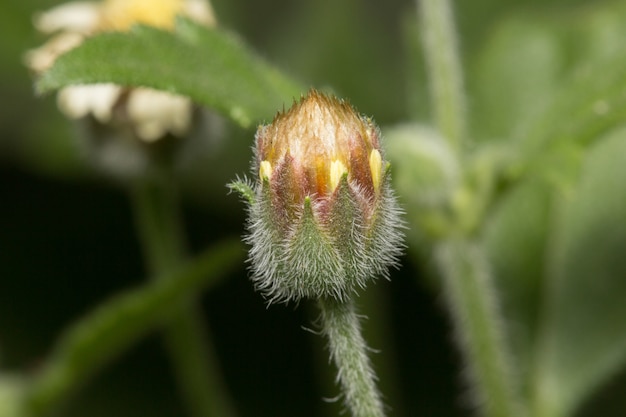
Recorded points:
(471, 298)
(186, 335)
(375, 302)
(115, 325)
(340, 324)
(443, 66)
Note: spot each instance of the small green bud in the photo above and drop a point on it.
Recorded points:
(323, 219)
(427, 176)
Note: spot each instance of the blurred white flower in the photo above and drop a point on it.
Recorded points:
(80, 17)
(151, 114)
(151, 110)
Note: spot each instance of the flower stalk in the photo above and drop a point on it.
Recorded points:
(469, 293)
(187, 338)
(444, 71)
(467, 282)
(340, 324)
(323, 222)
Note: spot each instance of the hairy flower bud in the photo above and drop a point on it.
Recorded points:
(322, 218)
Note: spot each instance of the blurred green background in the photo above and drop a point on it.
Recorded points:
(67, 236)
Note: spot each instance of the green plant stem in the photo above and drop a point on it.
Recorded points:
(375, 303)
(443, 67)
(186, 336)
(99, 337)
(340, 324)
(470, 296)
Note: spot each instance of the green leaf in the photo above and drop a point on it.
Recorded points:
(211, 66)
(589, 92)
(583, 333)
(514, 73)
(551, 80)
(589, 104)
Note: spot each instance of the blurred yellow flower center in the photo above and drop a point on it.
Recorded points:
(122, 14)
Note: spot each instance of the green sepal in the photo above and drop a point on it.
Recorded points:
(267, 250)
(384, 232)
(312, 266)
(346, 224)
(245, 190)
(272, 219)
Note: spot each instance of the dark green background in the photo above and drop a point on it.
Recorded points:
(67, 240)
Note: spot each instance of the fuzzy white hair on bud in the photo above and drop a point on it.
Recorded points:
(328, 223)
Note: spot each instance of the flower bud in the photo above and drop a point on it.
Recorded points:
(322, 218)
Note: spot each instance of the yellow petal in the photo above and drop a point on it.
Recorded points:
(376, 167)
(265, 171)
(337, 169)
